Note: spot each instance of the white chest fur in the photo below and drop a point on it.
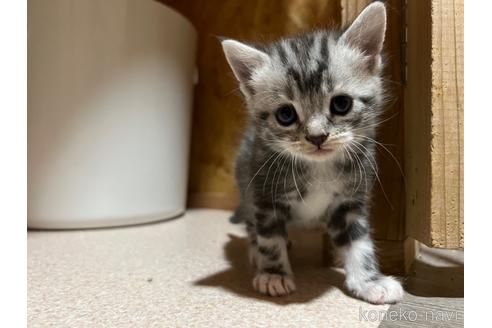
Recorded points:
(309, 211)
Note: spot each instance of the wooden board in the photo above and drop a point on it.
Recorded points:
(434, 122)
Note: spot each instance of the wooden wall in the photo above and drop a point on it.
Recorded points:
(218, 110)
(434, 122)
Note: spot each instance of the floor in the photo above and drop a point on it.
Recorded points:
(191, 272)
(435, 291)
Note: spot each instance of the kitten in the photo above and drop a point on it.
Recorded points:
(308, 155)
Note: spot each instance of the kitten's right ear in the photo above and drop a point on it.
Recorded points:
(243, 59)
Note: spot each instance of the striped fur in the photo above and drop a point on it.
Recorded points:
(285, 176)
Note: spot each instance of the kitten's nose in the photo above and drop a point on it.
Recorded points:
(317, 140)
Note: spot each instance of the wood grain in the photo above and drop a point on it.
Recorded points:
(350, 9)
(434, 122)
(417, 115)
(447, 123)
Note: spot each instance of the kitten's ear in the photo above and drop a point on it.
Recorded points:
(243, 59)
(367, 31)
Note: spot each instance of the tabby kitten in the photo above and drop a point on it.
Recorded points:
(308, 155)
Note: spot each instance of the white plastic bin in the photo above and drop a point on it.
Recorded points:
(110, 87)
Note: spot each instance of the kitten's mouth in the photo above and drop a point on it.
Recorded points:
(321, 151)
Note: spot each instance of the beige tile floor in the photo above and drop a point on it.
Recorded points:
(187, 272)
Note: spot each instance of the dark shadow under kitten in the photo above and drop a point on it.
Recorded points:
(314, 280)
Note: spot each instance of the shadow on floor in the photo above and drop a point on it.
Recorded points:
(433, 281)
(437, 273)
(312, 279)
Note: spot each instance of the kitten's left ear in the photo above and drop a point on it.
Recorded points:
(366, 33)
(244, 60)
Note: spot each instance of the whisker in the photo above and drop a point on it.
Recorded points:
(274, 195)
(285, 180)
(361, 169)
(390, 153)
(297, 188)
(352, 167)
(259, 171)
(375, 124)
(306, 179)
(375, 172)
(268, 172)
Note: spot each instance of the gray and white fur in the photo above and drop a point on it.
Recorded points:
(308, 153)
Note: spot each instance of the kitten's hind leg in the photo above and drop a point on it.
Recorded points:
(349, 230)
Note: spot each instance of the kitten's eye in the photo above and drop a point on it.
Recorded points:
(340, 105)
(286, 115)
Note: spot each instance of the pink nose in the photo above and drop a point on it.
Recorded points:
(317, 140)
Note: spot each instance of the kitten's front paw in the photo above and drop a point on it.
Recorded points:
(381, 291)
(273, 284)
